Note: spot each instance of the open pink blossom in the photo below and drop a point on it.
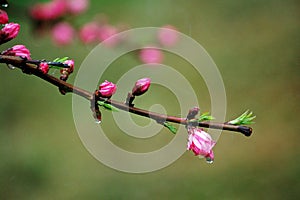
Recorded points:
(89, 32)
(44, 67)
(107, 89)
(151, 55)
(63, 33)
(48, 11)
(77, 6)
(141, 86)
(167, 36)
(3, 17)
(200, 143)
(9, 32)
(17, 50)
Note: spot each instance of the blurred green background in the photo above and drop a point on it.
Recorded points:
(254, 43)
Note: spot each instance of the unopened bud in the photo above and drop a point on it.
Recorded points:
(192, 113)
(17, 50)
(70, 63)
(141, 86)
(44, 67)
(3, 17)
(107, 89)
(9, 32)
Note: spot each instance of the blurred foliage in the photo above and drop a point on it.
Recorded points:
(256, 47)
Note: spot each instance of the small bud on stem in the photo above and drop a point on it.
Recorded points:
(3, 17)
(17, 50)
(107, 89)
(44, 67)
(9, 32)
(192, 113)
(141, 86)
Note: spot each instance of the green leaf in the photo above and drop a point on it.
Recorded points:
(173, 129)
(61, 59)
(205, 117)
(108, 106)
(244, 119)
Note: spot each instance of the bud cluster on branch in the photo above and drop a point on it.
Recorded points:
(199, 141)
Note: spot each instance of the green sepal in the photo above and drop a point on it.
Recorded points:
(108, 106)
(205, 117)
(244, 119)
(173, 129)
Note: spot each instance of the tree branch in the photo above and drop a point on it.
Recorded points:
(31, 67)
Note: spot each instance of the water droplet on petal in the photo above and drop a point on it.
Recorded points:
(11, 67)
(98, 121)
(209, 160)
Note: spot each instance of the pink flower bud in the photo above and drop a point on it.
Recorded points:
(17, 50)
(44, 67)
(107, 89)
(141, 86)
(200, 143)
(3, 17)
(77, 6)
(168, 36)
(89, 33)
(192, 113)
(63, 33)
(70, 63)
(151, 55)
(9, 32)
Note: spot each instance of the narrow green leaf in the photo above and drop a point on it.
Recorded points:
(251, 118)
(173, 129)
(108, 106)
(61, 59)
(205, 117)
(55, 60)
(244, 119)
